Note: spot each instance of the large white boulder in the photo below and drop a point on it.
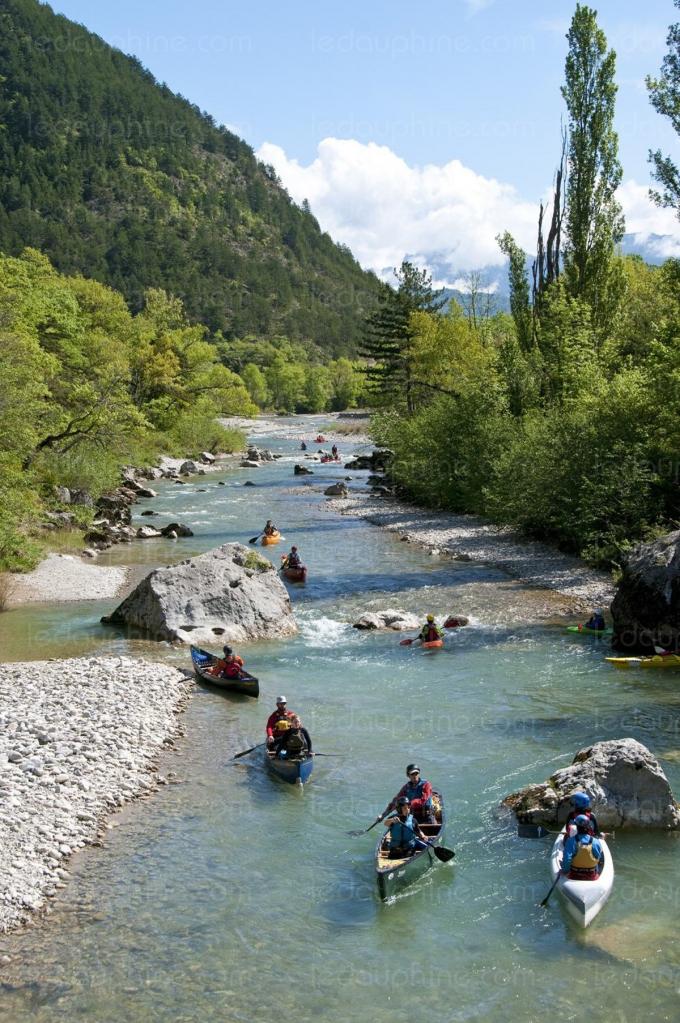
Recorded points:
(624, 781)
(392, 618)
(231, 593)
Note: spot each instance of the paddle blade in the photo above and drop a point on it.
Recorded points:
(443, 854)
(531, 831)
(254, 539)
(355, 834)
(405, 642)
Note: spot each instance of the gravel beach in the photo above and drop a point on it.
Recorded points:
(77, 740)
(470, 538)
(68, 577)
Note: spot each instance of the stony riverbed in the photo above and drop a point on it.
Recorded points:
(77, 740)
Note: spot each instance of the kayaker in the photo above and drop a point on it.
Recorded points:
(430, 631)
(596, 621)
(293, 559)
(419, 792)
(583, 856)
(270, 529)
(334, 451)
(405, 835)
(228, 666)
(580, 802)
(281, 722)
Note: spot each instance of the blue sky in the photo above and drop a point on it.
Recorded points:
(466, 88)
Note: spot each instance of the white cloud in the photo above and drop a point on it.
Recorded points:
(652, 227)
(369, 198)
(442, 216)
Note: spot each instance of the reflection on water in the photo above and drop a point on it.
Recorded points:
(230, 897)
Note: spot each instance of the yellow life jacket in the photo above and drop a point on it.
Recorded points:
(584, 858)
(282, 725)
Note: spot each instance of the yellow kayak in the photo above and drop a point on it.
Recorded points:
(268, 541)
(653, 661)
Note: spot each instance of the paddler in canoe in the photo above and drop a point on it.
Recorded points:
(430, 632)
(419, 792)
(228, 666)
(596, 621)
(405, 835)
(583, 856)
(580, 802)
(292, 559)
(285, 731)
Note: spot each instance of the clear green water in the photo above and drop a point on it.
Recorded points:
(231, 897)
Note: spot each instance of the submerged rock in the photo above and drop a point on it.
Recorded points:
(231, 592)
(624, 781)
(646, 607)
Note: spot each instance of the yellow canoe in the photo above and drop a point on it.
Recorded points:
(655, 661)
(268, 541)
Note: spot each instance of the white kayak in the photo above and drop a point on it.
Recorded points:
(583, 899)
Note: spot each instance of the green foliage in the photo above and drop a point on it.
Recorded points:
(256, 563)
(112, 175)
(520, 304)
(388, 338)
(85, 387)
(665, 97)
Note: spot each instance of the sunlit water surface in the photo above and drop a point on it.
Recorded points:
(232, 897)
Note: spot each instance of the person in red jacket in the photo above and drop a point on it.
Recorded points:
(419, 793)
(229, 666)
(281, 724)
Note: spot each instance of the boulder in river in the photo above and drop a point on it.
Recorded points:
(178, 528)
(207, 457)
(390, 619)
(188, 468)
(249, 463)
(336, 490)
(231, 592)
(302, 470)
(625, 782)
(147, 533)
(646, 608)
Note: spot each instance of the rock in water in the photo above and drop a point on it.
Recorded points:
(390, 619)
(336, 490)
(231, 592)
(302, 470)
(624, 781)
(646, 608)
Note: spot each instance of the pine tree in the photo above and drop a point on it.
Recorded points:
(388, 336)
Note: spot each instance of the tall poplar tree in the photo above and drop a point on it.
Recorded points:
(594, 219)
(520, 306)
(665, 96)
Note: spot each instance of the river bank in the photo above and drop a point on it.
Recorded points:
(470, 538)
(78, 739)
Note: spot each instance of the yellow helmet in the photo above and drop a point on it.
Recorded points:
(430, 618)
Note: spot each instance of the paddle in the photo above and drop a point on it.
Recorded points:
(441, 852)
(544, 902)
(254, 539)
(532, 831)
(243, 752)
(328, 754)
(409, 642)
(355, 834)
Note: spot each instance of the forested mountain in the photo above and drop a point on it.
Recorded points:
(115, 177)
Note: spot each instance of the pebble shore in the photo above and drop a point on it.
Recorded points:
(68, 577)
(78, 739)
(470, 538)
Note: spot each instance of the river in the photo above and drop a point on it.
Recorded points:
(230, 897)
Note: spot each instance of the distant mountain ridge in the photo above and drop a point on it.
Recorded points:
(115, 177)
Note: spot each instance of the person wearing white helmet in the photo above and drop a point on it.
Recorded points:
(596, 621)
(282, 725)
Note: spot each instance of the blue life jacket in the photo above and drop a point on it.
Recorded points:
(402, 834)
(416, 792)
